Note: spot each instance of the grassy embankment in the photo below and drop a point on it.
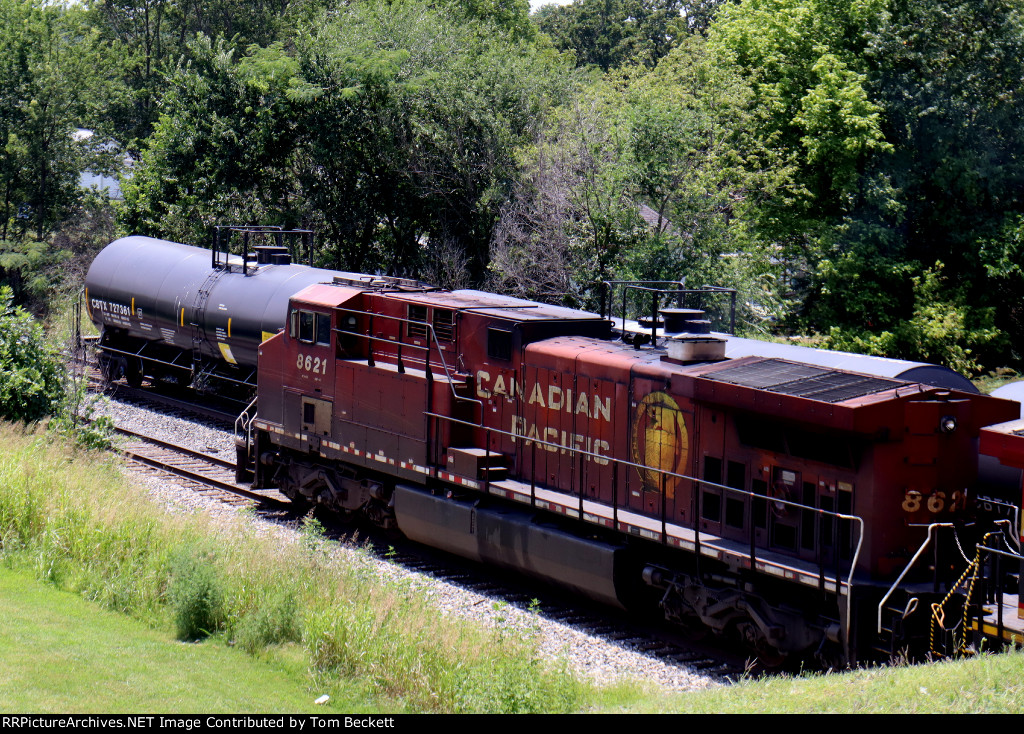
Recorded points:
(301, 624)
(75, 522)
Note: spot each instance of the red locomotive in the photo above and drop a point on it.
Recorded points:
(803, 508)
(772, 499)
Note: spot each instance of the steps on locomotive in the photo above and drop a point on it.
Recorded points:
(477, 463)
(732, 552)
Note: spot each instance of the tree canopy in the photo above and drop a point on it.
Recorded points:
(856, 169)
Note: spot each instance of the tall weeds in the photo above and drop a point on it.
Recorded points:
(76, 522)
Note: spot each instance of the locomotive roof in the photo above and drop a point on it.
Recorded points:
(516, 309)
(824, 396)
(802, 380)
(506, 307)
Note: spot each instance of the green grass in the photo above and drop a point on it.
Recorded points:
(73, 521)
(97, 584)
(986, 684)
(62, 654)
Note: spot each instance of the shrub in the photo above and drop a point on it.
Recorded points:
(273, 622)
(941, 330)
(196, 596)
(31, 386)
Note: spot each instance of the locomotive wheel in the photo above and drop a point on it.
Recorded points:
(750, 635)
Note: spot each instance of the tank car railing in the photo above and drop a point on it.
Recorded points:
(665, 475)
(278, 232)
(678, 290)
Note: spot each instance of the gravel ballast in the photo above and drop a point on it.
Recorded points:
(601, 660)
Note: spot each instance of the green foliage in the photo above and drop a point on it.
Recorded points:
(610, 34)
(31, 387)
(275, 621)
(154, 35)
(196, 595)
(649, 175)
(55, 75)
(1002, 258)
(387, 127)
(943, 329)
(75, 418)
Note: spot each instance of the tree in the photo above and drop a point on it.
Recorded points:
(390, 128)
(611, 33)
(55, 76)
(948, 75)
(30, 371)
(674, 140)
(223, 150)
(156, 34)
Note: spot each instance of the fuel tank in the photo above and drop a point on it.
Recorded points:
(171, 294)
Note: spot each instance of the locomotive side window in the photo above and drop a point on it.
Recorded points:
(444, 324)
(499, 343)
(310, 327)
(416, 328)
(323, 329)
(306, 322)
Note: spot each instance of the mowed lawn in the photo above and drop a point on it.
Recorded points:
(62, 654)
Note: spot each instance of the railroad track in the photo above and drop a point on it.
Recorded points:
(212, 475)
(153, 393)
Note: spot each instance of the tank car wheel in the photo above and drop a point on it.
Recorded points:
(110, 367)
(133, 373)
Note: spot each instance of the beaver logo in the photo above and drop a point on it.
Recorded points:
(660, 442)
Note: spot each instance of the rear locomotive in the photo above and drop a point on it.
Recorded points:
(802, 508)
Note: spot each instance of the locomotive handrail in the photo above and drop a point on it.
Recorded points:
(1015, 523)
(432, 341)
(651, 286)
(246, 420)
(848, 582)
(932, 528)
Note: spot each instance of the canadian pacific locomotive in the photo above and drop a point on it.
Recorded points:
(803, 508)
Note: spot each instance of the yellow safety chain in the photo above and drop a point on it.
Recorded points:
(938, 611)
